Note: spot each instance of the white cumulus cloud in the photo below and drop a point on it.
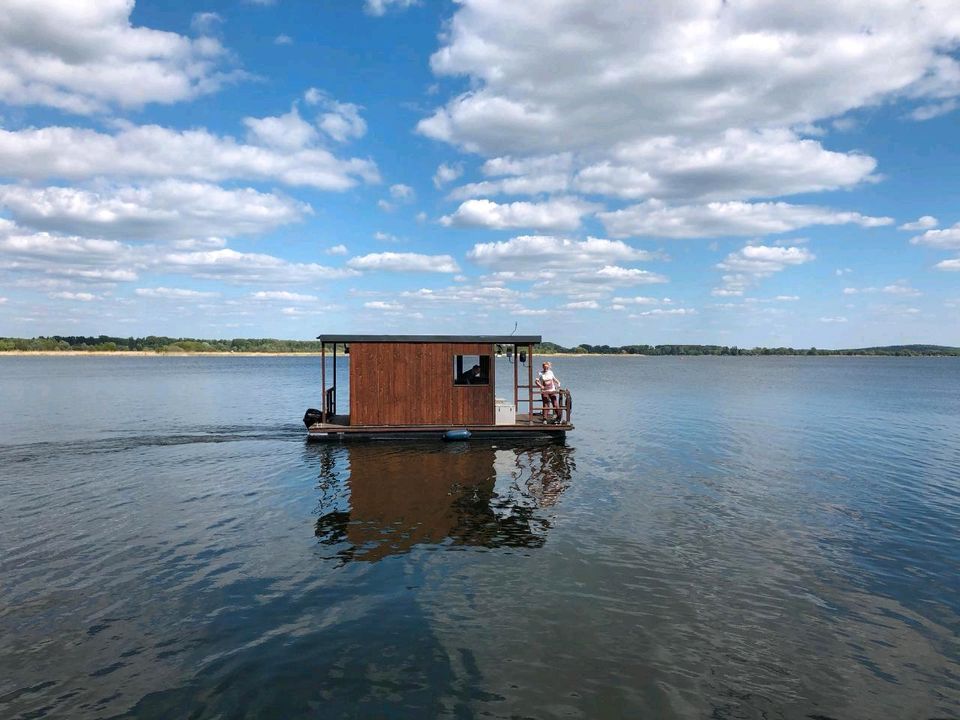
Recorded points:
(86, 57)
(582, 305)
(557, 214)
(164, 210)
(922, 223)
(945, 239)
(659, 312)
(80, 296)
(551, 75)
(654, 218)
(523, 185)
(613, 275)
(402, 193)
(738, 164)
(205, 23)
(746, 266)
(446, 174)
(286, 132)
(563, 266)
(764, 260)
(485, 296)
(70, 258)
(237, 267)
(167, 293)
(404, 262)
(283, 295)
(340, 120)
(378, 8)
(681, 104)
(386, 305)
(152, 151)
(547, 251)
(641, 300)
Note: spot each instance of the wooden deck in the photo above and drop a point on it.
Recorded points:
(341, 429)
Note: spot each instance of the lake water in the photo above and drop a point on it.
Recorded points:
(719, 538)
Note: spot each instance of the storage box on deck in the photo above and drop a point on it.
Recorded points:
(505, 413)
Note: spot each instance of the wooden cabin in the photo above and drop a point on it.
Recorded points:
(408, 386)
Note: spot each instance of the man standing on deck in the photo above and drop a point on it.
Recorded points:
(550, 390)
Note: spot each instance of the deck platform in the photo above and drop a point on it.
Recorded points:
(523, 428)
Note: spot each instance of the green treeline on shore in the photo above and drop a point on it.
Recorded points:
(157, 344)
(161, 344)
(897, 350)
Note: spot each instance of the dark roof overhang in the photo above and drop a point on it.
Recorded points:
(498, 339)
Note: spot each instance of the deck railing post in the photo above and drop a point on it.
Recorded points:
(323, 378)
(516, 382)
(530, 381)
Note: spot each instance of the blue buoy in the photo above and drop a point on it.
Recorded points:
(456, 435)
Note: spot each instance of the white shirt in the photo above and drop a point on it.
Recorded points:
(547, 380)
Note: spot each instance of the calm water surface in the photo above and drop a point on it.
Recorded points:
(719, 538)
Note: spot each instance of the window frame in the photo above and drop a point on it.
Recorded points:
(460, 367)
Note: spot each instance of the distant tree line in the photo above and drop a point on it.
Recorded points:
(159, 344)
(162, 344)
(897, 350)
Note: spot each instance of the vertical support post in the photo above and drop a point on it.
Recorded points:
(516, 381)
(492, 378)
(333, 409)
(492, 367)
(323, 378)
(530, 379)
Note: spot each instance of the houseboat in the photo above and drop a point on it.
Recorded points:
(436, 386)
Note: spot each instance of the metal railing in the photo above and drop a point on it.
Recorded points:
(331, 403)
(539, 399)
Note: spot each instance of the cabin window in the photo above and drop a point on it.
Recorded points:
(471, 369)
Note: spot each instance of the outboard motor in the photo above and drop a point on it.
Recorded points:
(311, 416)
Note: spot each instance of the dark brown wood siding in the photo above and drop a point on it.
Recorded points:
(412, 384)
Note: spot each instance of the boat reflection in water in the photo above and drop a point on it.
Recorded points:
(378, 500)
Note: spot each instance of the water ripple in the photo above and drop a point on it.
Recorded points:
(728, 539)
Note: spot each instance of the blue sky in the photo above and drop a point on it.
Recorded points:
(746, 173)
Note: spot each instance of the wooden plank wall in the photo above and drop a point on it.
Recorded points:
(412, 384)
